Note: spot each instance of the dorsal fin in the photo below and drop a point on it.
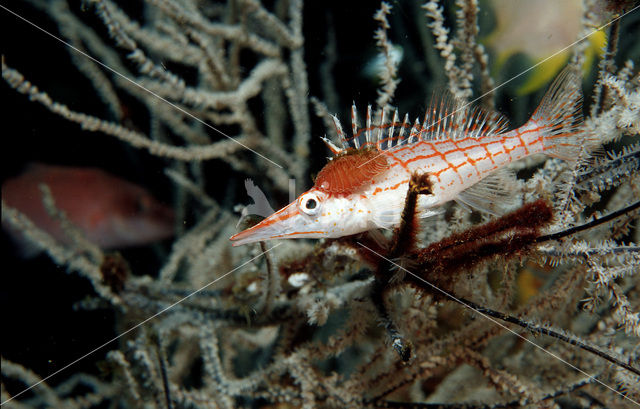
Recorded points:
(348, 173)
(445, 118)
(450, 118)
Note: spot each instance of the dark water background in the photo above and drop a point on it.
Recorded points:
(41, 329)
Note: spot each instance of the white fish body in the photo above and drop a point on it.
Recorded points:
(462, 150)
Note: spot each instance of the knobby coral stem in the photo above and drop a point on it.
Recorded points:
(546, 331)
(441, 262)
(155, 338)
(404, 237)
(403, 242)
(513, 404)
(402, 346)
(608, 62)
(272, 286)
(611, 216)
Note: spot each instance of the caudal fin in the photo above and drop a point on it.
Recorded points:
(559, 116)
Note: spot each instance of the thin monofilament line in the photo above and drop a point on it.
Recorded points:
(138, 325)
(451, 296)
(137, 84)
(519, 75)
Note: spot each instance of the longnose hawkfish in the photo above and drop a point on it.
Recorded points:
(464, 151)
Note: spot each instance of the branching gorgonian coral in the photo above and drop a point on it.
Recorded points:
(223, 91)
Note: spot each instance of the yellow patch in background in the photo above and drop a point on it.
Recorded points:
(545, 72)
(528, 285)
(539, 29)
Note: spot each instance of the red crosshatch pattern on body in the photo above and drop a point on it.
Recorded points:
(364, 186)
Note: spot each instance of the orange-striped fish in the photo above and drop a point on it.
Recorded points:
(462, 150)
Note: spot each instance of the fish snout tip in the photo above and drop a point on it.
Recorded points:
(251, 235)
(237, 239)
(273, 227)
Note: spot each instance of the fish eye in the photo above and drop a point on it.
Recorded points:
(309, 204)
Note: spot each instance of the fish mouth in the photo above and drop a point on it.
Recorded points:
(285, 223)
(253, 235)
(275, 225)
(248, 236)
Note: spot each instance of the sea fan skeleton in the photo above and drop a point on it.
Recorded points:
(296, 325)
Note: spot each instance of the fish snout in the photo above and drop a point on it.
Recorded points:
(288, 222)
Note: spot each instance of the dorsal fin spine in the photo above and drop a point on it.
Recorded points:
(447, 127)
(394, 120)
(379, 130)
(423, 128)
(445, 118)
(501, 124)
(433, 119)
(354, 125)
(414, 131)
(477, 126)
(431, 111)
(480, 129)
(405, 124)
(472, 117)
(458, 120)
(438, 118)
(367, 132)
(332, 147)
(340, 132)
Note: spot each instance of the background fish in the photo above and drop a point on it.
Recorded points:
(111, 212)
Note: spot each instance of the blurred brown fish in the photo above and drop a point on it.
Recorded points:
(112, 212)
